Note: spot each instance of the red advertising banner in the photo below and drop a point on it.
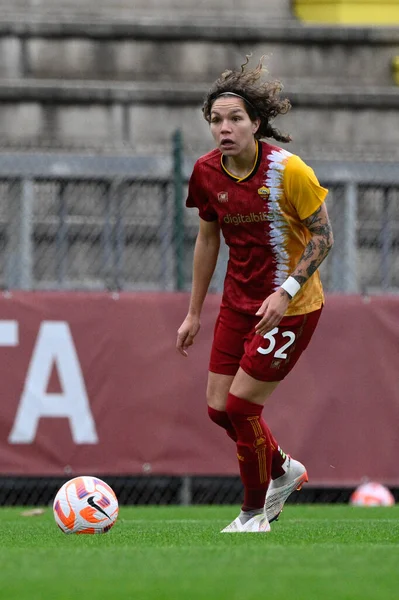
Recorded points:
(91, 383)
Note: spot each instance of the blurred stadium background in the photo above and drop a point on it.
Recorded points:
(100, 125)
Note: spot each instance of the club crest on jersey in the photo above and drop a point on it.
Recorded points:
(223, 197)
(264, 192)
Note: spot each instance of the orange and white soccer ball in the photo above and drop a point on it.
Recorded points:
(85, 505)
(372, 494)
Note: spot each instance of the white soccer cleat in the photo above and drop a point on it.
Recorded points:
(234, 527)
(282, 487)
(258, 524)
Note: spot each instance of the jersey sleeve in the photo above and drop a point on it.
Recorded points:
(197, 196)
(302, 187)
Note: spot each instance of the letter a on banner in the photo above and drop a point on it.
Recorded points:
(54, 345)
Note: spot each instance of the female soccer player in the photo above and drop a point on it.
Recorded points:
(270, 208)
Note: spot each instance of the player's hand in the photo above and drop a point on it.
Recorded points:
(272, 311)
(186, 334)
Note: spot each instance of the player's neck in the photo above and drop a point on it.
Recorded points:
(242, 164)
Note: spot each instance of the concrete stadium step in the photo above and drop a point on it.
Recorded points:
(192, 51)
(141, 117)
(275, 9)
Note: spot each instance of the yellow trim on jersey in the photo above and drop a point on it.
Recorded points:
(239, 179)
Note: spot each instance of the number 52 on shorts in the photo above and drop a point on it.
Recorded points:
(272, 356)
(271, 337)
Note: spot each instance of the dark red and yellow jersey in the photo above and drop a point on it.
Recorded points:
(260, 217)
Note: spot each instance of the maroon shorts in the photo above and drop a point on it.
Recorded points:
(268, 358)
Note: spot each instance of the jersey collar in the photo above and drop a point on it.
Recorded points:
(258, 157)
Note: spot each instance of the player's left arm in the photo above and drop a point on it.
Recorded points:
(319, 245)
(305, 193)
(316, 250)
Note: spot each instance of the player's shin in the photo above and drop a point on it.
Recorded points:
(254, 451)
(221, 418)
(278, 456)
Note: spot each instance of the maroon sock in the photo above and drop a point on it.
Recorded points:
(278, 455)
(253, 450)
(221, 418)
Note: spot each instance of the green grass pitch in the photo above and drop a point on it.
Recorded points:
(175, 553)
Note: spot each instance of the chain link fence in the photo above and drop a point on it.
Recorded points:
(182, 491)
(121, 224)
(365, 219)
(86, 232)
(89, 234)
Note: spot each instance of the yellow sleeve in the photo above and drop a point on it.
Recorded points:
(302, 187)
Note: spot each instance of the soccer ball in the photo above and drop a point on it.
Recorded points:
(85, 505)
(372, 494)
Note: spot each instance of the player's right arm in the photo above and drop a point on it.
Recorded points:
(205, 257)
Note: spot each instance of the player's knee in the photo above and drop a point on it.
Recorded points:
(216, 401)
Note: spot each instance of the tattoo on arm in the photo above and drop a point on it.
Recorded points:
(318, 246)
(284, 294)
(309, 250)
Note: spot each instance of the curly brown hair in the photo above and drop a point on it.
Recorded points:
(261, 98)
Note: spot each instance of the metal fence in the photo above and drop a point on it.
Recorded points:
(68, 226)
(364, 210)
(160, 491)
(119, 223)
